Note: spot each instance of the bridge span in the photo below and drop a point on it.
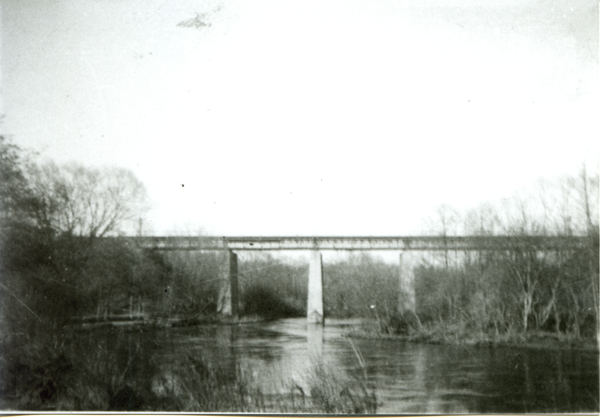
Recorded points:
(229, 295)
(356, 243)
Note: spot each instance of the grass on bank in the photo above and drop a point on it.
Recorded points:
(115, 369)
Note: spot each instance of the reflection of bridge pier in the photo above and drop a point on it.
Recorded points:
(229, 296)
(314, 341)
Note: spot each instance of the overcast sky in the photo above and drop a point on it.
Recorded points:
(306, 117)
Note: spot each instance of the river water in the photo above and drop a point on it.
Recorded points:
(405, 377)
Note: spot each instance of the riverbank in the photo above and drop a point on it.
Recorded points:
(166, 322)
(460, 337)
(143, 367)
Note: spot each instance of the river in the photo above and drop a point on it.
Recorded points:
(405, 377)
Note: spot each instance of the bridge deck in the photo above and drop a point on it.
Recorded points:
(355, 243)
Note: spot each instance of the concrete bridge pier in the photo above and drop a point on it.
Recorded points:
(229, 302)
(314, 308)
(406, 285)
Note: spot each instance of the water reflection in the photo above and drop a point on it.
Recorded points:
(407, 378)
(449, 379)
(314, 338)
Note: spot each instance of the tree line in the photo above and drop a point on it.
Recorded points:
(56, 265)
(523, 289)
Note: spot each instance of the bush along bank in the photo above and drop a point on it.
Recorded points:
(407, 328)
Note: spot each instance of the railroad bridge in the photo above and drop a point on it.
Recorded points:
(229, 301)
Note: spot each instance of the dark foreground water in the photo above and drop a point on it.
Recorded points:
(406, 377)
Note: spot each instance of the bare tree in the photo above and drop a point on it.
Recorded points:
(590, 198)
(87, 201)
(445, 222)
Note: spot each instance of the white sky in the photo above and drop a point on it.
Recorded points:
(312, 117)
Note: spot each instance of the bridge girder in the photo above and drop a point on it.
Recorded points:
(358, 243)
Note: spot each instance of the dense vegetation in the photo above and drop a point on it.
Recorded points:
(513, 293)
(523, 290)
(520, 293)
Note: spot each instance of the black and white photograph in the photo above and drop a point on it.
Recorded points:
(299, 207)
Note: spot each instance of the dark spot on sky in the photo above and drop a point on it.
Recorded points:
(195, 22)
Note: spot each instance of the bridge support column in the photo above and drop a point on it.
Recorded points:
(406, 285)
(314, 308)
(229, 301)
